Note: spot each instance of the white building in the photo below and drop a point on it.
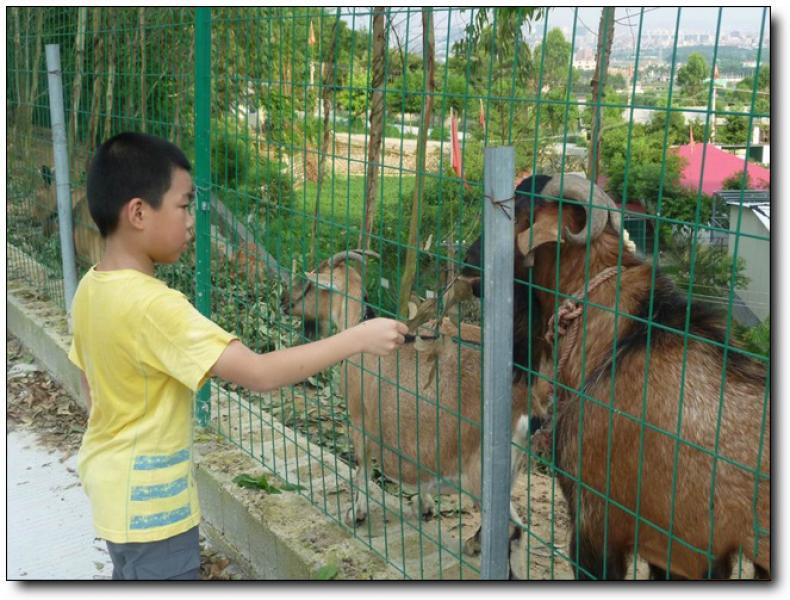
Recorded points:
(752, 236)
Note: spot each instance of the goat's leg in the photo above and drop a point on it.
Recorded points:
(761, 572)
(592, 564)
(519, 442)
(357, 511)
(720, 569)
(423, 506)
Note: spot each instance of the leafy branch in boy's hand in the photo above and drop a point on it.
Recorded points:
(262, 483)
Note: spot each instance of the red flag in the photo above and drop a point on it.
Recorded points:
(456, 147)
(482, 115)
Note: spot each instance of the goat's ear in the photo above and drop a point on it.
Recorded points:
(323, 280)
(545, 229)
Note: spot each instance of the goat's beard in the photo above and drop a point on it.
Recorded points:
(311, 329)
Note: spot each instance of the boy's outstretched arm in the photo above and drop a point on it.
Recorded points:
(265, 372)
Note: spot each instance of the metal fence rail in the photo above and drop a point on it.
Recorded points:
(314, 131)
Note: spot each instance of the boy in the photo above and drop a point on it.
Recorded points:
(144, 350)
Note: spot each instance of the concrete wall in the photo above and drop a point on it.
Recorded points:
(757, 254)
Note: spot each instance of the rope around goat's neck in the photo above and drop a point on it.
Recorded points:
(568, 316)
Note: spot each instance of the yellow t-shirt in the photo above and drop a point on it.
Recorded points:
(145, 350)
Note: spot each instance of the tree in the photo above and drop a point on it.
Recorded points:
(598, 85)
(556, 59)
(557, 73)
(678, 132)
(691, 77)
(499, 67)
(734, 131)
(745, 90)
(376, 126)
(713, 268)
(410, 267)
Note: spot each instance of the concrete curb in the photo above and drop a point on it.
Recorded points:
(268, 536)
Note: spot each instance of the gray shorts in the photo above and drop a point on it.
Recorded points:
(177, 557)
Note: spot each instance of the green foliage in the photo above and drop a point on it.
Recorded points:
(738, 181)
(276, 185)
(678, 132)
(691, 76)
(231, 159)
(735, 130)
(498, 64)
(755, 339)
(713, 268)
(352, 96)
(642, 163)
(617, 81)
(556, 59)
(612, 106)
(262, 483)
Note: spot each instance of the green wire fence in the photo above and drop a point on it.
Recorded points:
(314, 131)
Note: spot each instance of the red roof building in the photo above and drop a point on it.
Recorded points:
(719, 166)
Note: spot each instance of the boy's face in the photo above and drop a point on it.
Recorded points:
(173, 222)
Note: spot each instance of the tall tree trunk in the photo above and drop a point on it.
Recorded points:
(128, 81)
(410, 267)
(17, 51)
(108, 98)
(376, 125)
(143, 103)
(598, 84)
(34, 72)
(98, 55)
(79, 57)
(26, 110)
(327, 86)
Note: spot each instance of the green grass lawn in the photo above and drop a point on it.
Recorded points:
(343, 197)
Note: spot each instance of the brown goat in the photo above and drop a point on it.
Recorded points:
(88, 243)
(390, 420)
(644, 418)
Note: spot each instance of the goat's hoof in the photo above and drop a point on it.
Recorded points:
(354, 518)
(472, 545)
(427, 512)
(423, 508)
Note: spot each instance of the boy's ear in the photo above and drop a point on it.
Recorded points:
(135, 212)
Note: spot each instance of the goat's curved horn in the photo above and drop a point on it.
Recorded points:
(575, 187)
(341, 256)
(365, 252)
(358, 255)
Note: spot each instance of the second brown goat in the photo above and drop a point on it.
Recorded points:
(422, 429)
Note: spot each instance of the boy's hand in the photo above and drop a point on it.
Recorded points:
(380, 336)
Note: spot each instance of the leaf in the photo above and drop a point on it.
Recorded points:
(291, 487)
(249, 482)
(326, 573)
(262, 483)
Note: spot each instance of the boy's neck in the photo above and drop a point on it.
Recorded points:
(118, 256)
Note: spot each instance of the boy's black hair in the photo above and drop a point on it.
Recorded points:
(130, 165)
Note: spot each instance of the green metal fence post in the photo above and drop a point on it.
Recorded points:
(203, 181)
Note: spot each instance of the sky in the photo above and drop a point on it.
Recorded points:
(692, 20)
